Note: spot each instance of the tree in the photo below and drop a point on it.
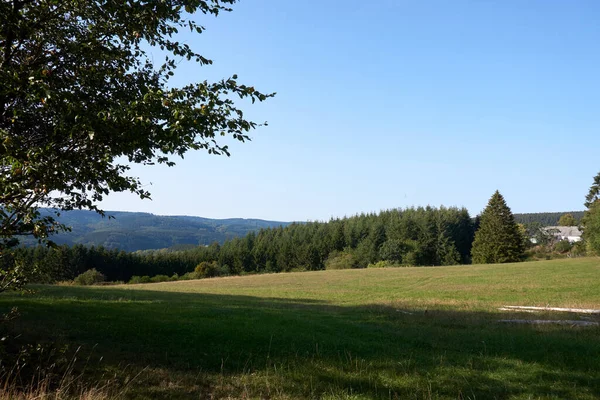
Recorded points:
(591, 218)
(567, 220)
(81, 98)
(498, 239)
(591, 228)
(594, 194)
(524, 234)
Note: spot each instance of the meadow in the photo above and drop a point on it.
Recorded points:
(390, 333)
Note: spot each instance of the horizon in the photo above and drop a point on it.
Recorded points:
(314, 220)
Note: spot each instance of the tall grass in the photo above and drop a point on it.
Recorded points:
(43, 376)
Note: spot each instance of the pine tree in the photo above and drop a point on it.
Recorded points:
(498, 239)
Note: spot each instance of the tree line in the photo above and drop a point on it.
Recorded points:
(547, 218)
(424, 236)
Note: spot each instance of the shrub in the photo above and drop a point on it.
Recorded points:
(139, 279)
(382, 264)
(563, 246)
(411, 259)
(160, 278)
(190, 276)
(208, 269)
(341, 260)
(89, 277)
(578, 249)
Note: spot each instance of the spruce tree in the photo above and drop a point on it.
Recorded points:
(498, 239)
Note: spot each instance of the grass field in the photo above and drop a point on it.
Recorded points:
(414, 333)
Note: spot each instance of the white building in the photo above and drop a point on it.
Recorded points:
(570, 233)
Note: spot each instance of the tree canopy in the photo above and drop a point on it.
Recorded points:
(498, 239)
(594, 193)
(81, 98)
(567, 220)
(591, 219)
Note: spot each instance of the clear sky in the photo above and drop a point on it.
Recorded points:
(391, 103)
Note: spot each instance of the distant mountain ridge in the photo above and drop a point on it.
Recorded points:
(132, 231)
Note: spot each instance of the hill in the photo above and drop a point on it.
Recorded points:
(399, 333)
(131, 231)
(546, 218)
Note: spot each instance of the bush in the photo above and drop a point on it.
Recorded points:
(382, 264)
(579, 249)
(139, 279)
(341, 260)
(564, 246)
(190, 276)
(160, 278)
(208, 269)
(89, 277)
(411, 259)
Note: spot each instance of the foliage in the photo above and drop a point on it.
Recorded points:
(208, 269)
(81, 98)
(591, 231)
(563, 246)
(89, 277)
(591, 219)
(524, 234)
(498, 239)
(13, 272)
(579, 249)
(160, 278)
(414, 236)
(539, 233)
(189, 276)
(545, 219)
(594, 193)
(567, 220)
(340, 260)
(383, 264)
(395, 250)
(139, 279)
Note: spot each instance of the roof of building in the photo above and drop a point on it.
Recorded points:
(572, 231)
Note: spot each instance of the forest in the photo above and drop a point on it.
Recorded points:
(423, 236)
(547, 218)
(133, 231)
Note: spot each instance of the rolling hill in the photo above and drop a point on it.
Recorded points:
(131, 231)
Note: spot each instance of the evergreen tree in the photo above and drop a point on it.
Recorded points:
(591, 219)
(591, 228)
(498, 239)
(594, 193)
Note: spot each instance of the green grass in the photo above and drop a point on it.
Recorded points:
(334, 334)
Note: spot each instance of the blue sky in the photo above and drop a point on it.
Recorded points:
(394, 104)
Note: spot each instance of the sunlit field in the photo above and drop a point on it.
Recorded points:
(416, 333)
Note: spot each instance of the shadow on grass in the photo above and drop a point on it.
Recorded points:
(244, 345)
